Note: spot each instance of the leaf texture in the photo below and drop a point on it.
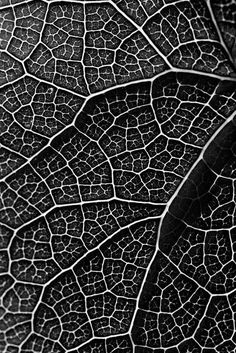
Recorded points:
(117, 167)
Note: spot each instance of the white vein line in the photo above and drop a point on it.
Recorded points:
(167, 209)
(230, 118)
(222, 42)
(143, 33)
(93, 202)
(86, 99)
(86, 254)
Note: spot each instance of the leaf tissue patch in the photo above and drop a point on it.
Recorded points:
(118, 176)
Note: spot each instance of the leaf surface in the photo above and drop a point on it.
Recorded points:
(117, 167)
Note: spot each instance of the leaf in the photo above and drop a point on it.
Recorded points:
(117, 175)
